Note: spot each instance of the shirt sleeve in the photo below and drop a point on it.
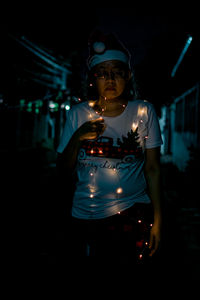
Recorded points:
(68, 131)
(153, 138)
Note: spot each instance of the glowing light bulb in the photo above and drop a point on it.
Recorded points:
(67, 107)
(142, 111)
(118, 212)
(91, 174)
(91, 103)
(139, 221)
(91, 196)
(134, 126)
(92, 151)
(119, 190)
(140, 256)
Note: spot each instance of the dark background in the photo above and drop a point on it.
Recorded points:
(34, 198)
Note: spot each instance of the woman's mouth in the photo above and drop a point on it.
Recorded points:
(110, 88)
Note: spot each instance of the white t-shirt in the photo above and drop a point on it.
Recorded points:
(110, 169)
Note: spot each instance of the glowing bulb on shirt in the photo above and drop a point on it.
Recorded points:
(134, 126)
(119, 190)
(91, 103)
(142, 111)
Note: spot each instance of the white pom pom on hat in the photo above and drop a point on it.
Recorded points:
(99, 47)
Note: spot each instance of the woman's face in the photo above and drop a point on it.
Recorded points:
(111, 79)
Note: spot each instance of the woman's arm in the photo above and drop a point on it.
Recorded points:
(66, 161)
(152, 174)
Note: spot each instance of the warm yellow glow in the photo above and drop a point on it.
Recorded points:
(142, 111)
(91, 103)
(134, 126)
(91, 196)
(119, 190)
(92, 151)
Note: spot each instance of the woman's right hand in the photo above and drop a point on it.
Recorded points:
(90, 130)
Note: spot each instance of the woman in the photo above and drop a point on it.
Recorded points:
(112, 145)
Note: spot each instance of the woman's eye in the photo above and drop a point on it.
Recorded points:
(100, 75)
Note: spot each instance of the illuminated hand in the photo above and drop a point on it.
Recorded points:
(155, 237)
(91, 129)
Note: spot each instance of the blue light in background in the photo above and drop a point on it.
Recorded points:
(187, 44)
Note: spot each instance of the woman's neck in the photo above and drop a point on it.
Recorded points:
(111, 108)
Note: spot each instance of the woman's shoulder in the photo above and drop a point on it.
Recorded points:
(140, 103)
(78, 108)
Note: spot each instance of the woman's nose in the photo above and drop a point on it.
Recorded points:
(110, 75)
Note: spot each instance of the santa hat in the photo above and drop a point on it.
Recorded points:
(106, 47)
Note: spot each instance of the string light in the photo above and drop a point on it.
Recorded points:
(119, 190)
(134, 126)
(141, 113)
(91, 103)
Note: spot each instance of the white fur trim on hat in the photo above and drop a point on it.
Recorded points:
(99, 47)
(108, 55)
